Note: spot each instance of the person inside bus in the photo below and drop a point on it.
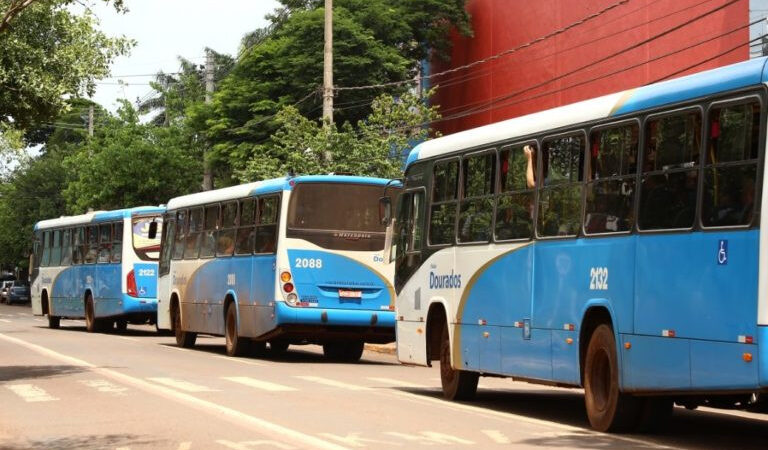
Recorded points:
(530, 166)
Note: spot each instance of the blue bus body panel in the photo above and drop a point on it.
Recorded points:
(762, 355)
(288, 315)
(736, 76)
(341, 179)
(670, 296)
(320, 287)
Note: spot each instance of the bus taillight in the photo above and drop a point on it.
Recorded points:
(131, 282)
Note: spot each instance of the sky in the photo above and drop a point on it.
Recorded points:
(166, 29)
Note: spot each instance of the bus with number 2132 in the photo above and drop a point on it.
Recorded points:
(613, 244)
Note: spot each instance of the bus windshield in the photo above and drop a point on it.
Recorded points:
(147, 248)
(338, 216)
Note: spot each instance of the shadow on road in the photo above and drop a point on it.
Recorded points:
(15, 373)
(686, 429)
(88, 442)
(81, 329)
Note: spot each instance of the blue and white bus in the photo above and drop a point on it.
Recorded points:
(100, 266)
(284, 261)
(626, 257)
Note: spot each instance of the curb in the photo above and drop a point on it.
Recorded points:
(388, 349)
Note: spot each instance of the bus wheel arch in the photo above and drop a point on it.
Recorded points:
(437, 319)
(236, 345)
(184, 339)
(44, 301)
(53, 321)
(593, 317)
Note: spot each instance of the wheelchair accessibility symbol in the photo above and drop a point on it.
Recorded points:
(722, 252)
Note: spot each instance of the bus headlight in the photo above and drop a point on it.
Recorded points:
(292, 298)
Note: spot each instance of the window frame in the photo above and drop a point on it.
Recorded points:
(430, 203)
(638, 121)
(746, 98)
(461, 197)
(699, 106)
(500, 192)
(258, 224)
(540, 181)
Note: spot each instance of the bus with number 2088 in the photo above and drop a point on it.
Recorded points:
(295, 260)
(614, 244)
(100, 266)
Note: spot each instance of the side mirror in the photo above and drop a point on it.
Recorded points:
(152, 230)
(385, 210)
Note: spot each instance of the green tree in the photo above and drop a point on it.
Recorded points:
(375, 42)
(49, 54)
(376, 147)
(129, 164)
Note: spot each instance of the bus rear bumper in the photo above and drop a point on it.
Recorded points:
(133, 305)
(372, 326)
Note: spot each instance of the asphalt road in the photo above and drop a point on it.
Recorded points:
(68, 389)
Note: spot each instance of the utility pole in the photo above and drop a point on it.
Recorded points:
(209, 87)
(90, 121)
(328, 64)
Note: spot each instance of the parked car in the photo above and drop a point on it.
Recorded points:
(4, 290)
(18, 292)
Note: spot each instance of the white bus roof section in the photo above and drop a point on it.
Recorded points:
(218, 195)
(551, 119)
(66, 221)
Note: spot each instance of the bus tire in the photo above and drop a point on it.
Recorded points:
(92, 325)
(344, 351)
(236, 345)
(457, 384)
(54, 321)
(608, 409)
(278, 347)
(185, 339)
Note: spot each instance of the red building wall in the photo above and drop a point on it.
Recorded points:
(605, 54)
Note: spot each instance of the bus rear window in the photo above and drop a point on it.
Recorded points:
(147, 247)
(338, 216)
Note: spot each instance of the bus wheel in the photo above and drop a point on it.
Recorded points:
(278, 347)
(91, 324)
(184, 339)
(236, 346)
(121, 324)
(457, 384)
(607, 408)
(53, 321)
(344, 351)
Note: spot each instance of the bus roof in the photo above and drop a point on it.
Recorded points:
(735, 76)
(265, 187)
(98, 217)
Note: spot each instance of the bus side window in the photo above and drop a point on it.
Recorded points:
(181, 230)
(92, 241)
(78, 241)
(246, 231)
(730, 168)
(442, 220)
(195, 234)
(225, 237)
(105, 243)
(117, 242)
(611, 180)
(514, 210)
(476, 211)
(562, 162)
(166, 244)
(266, 231)
(208, 246)
(66, 247)
(56, 249)
(670, 172)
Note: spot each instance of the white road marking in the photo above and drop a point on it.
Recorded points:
(259, 384)
(332, 383)
(496, 436)
(430, 438)
(262, 426)
(185, 446)
(181, 349)
(105, 387)
(5, 320)
(37, 319)
(354, 440)
(240, 360)
(397, 383)
(181, 384)
(125, 338)
(246, 445)
(30, 392)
